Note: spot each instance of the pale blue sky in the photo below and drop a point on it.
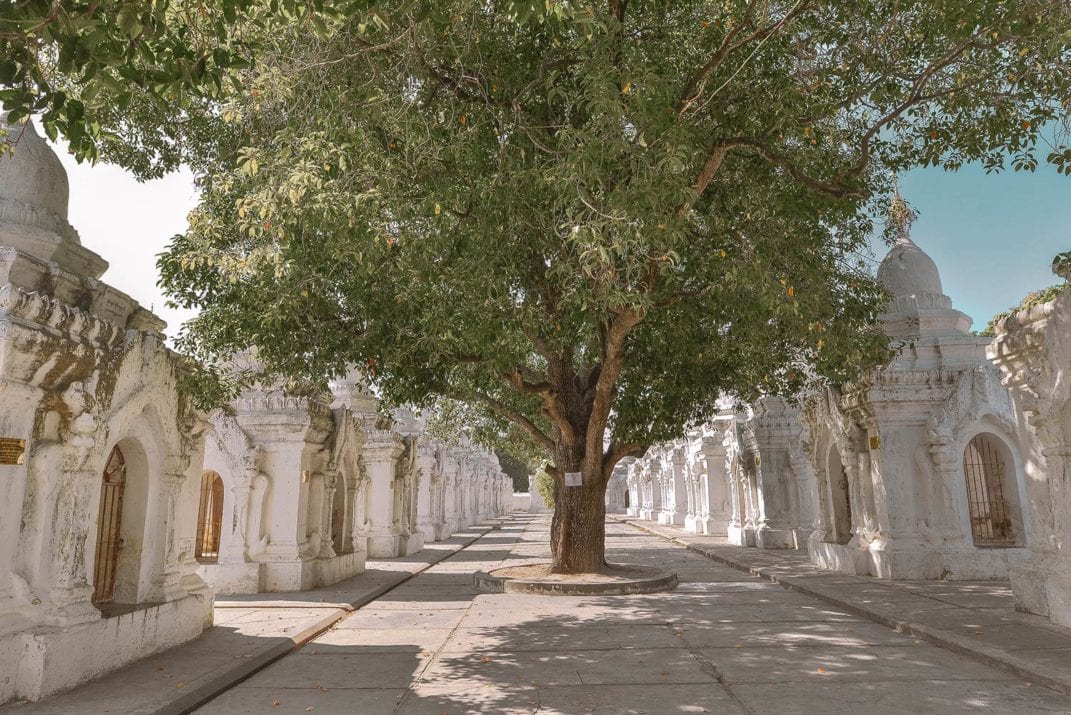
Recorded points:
(993, 236)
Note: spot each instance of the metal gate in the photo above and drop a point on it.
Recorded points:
(984, 470)
(109, 528)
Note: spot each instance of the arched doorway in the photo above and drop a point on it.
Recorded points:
(109, 528)
(839, 497)
(209, 518)
(341, 531)
(991, 493)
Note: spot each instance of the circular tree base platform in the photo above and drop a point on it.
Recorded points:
(612, 581)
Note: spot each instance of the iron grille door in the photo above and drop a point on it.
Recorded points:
(109, 528)
(984, 470)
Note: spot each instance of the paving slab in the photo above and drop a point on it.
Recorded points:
(258, 700)
(928, 697)
(645, 699)
(781, 635)
(401, 640)
(468, 699)
(369, 668)
(556, 638)
(699, 613)
(391, 619)
(885, 663)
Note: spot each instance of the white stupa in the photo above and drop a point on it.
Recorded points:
(40, 251)
(920, 318)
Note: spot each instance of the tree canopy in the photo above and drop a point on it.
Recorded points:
(95, 71)
(585, 222)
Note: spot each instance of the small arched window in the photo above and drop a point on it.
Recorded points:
(209, 518)
(990, 492)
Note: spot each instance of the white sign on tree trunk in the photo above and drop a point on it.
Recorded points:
(573, 479)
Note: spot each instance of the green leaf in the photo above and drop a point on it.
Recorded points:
(129, 20)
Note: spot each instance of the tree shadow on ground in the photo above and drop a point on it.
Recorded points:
(607, 656)
(725, 642)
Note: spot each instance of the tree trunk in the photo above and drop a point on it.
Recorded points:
(578, 530)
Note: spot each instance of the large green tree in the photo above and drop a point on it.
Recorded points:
(587, 221)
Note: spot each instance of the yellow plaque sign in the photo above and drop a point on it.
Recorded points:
(12, 451)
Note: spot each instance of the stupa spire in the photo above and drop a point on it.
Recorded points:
(901, 216)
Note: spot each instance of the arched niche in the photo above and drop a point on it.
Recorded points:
(314, 507)
(341, 517)
(209, 518)
(839, 496)
(990, 477)
(118, 564)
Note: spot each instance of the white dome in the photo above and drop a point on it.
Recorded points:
(907, 271)
(33, 175)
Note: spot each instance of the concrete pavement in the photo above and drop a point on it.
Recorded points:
(973, 618)
(725, 641)
(250, 632)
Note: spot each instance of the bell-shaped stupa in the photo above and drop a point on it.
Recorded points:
(40, 251)
(33, 204)
(918, 306)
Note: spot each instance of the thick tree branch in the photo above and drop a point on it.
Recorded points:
(613, 360)
(516, 379)
(617, 9)
(715, 158)
(508, 413)
(552, 406)
(836, 188)
(618, 451)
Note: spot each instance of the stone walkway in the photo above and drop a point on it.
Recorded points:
(725, 641)
(974, 618)
(250, 632)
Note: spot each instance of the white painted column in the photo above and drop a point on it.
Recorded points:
(380, 457)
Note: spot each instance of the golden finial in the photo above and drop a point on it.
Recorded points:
(900, 214)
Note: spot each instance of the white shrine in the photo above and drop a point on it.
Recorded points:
(918, 466)
(100, 456)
